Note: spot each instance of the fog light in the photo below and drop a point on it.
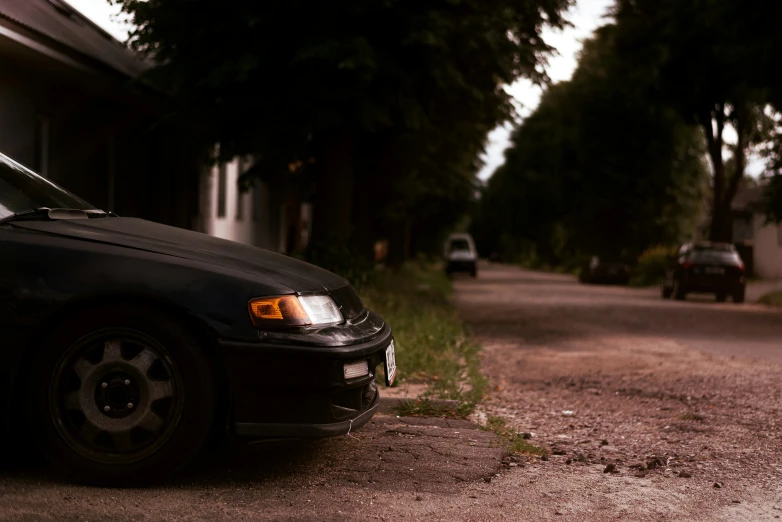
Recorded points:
(356, 369)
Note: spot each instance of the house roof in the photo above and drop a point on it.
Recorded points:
(55, 22)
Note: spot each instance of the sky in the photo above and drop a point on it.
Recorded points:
(104, 14)
(585, 17)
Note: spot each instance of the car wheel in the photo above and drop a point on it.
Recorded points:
(738, 296)
(678, 291)
(474, 272)
(120, 396)
(666, 292)
(721, 296)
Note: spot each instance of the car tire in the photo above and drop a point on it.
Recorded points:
(738, 296)
(474, 272)
(678, 292)
(721, 297)
(666, 292)
(86, 369)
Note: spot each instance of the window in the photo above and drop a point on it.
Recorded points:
(222, 185)
(714, 255)
(41, 146)
(460, 245)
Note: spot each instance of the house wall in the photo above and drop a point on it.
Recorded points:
(261, 221)
(767, 249)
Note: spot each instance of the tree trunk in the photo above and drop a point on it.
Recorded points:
(333, 201)
(365, 198)
(726, 184)
(720, 216)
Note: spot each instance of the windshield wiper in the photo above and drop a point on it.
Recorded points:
(54, 214)
(33, 213)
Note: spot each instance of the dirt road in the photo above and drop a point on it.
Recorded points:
(600, 375)
(612, 375)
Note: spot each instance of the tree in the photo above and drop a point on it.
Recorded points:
(709, 73)
(415, 82)
(596, 169)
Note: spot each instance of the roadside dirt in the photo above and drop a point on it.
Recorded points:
(616, 376)
(393, 468)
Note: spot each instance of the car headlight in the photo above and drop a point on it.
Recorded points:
(291, 310)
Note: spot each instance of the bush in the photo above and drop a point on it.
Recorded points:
(772, 299)
(651, 266)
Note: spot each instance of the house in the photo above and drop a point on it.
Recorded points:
(762, 240)
(74, 110)
(266, 214)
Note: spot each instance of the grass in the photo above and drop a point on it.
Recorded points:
(430, 340)
(515, 442)
(426, 407)
(772, 299)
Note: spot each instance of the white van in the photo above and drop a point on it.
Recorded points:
(461, 255)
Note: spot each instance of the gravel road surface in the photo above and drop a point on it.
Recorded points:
(682, 398)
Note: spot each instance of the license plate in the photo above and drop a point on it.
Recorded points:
(715, 270)
(390, 364)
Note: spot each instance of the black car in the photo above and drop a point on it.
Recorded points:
(126, 343)
(605, 270)
(705, 267)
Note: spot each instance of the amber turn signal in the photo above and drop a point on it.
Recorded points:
(279, 311)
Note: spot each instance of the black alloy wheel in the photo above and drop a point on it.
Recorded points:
(116, 396)
(121, 395)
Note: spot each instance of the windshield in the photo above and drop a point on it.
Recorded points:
(22, 189)
(460, 245)
(709, 255)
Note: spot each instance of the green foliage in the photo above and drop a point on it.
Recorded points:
(345, 261)
(431, 344)
(772, 299)
(710, 60)
(386, 101)
(514, 441)
(595, 170)
(426, 407)
(651, 266)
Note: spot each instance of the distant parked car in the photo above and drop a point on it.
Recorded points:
(705, 267)
(461, 255)
(601, 270)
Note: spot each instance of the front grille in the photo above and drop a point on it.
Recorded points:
(348, 301)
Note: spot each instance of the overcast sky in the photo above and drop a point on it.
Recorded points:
(104, 14)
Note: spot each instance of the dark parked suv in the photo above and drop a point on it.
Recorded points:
(714, 268)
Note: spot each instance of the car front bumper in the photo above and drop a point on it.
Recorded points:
(300, 391)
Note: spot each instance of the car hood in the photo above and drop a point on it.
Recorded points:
(186, 244)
